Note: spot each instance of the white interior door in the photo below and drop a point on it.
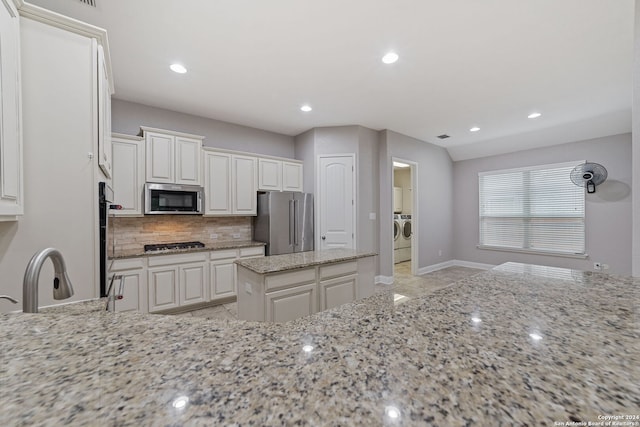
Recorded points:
(336, 216)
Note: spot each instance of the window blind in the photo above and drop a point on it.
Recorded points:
(536, 208)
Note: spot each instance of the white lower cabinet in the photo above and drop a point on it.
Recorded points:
(292, 303)
(163, 288)
(132, 287)
(224, 280)
(223, 274)
(177, 280)
(338, 291)
(165, 282)
(284, 296)
(193, 283)
(337, 284)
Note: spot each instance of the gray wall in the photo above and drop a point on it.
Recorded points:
(608, 211)
(636, 146)
(127, 117)
(368, 189)
(435, 200)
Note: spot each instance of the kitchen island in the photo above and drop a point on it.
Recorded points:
(285, 287)
(514, 345)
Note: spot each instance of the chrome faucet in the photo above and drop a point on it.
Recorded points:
(62, 288)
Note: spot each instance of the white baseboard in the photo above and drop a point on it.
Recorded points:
(453, 263)
(435, 267)
(384, 280)
(470, 264)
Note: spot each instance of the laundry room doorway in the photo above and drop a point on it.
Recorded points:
(405, 224)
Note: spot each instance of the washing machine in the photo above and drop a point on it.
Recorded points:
(405, 231)
(402, 238)
(397, 231)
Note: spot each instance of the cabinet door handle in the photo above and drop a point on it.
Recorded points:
(324, 237)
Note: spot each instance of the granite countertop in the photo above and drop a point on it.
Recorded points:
(516, 345)
(277, 263)
(231, 244)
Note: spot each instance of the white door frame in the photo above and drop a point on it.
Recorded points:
(414, 214)
(317, 204)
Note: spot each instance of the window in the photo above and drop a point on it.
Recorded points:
(532, 209)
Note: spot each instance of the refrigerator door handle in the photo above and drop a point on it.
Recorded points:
(295, 222)
(291, 216)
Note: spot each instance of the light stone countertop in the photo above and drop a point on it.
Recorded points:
(516, 345)
(277, 263)
(231, 244)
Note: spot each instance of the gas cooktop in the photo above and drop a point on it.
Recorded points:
(172, 246)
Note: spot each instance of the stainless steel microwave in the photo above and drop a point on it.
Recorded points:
(172, 199)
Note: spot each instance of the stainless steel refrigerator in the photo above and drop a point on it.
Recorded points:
(284, 222)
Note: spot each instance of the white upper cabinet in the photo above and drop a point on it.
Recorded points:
(217, 183)
(292, 176)
(172, 157)
(128, 174)
(244, 171)
(230, 183)
(11, 165)
(160, 163)
(188, 161)
(279, 175)
(269, 175)
(104, 116)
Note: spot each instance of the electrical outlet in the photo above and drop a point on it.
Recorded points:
(213, 235)
(248, 289)
(236, 235)
(605, 266)
(597, 266)
(440, 252)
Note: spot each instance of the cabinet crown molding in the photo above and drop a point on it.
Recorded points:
(125, 136)
(256, 155)
(144, 129)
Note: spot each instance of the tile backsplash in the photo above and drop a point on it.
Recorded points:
(131, 234)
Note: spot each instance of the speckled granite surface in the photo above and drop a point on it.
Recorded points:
(546, 346)
(232, 244)
(276, 263)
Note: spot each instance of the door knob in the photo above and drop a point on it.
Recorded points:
(324, 237)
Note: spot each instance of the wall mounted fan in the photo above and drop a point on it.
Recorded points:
(589, 175)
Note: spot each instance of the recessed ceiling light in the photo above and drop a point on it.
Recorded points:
(178, 68)
(306, 108)
(534, 115)
(390, 58)
(474, 129)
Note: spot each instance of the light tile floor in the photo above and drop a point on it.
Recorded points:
(405, 284)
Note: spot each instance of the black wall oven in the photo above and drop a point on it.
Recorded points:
(105, 198)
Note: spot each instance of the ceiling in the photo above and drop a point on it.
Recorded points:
(463, 63)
